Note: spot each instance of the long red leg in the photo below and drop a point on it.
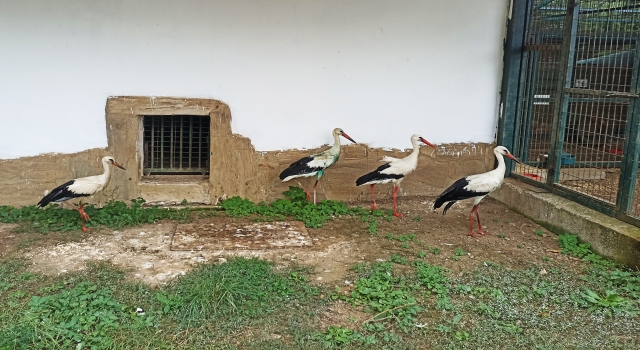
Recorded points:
(471, 223)
(314, 192)
(374, 206)
(83, 217)
(480, 232)
(395, 211)
(305, 191)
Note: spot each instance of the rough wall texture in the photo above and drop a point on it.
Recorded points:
(236, 168)
(23, 181)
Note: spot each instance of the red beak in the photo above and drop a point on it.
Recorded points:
(119, 166)
(427, 143)
(510, 156)
(347, 137)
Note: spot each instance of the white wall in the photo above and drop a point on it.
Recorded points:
(291, 70)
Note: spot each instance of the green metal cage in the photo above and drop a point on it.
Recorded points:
(570, 100)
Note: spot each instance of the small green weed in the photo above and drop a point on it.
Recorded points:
(450, 326)
(610, 303)
(539, 233)
(386, 295)
(541, 289)
(421, 255)
(571, 246)
(336, 336)
(406, 238)
(460, 252)
(372, 226)
(398, 259)
(434, 250)
(508, 327)
(432, 277)
(626, 283)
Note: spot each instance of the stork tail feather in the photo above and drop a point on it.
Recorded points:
(446, 207)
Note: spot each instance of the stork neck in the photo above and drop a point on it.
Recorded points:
(336, 144)
(416, 151)
(107, 172)
(501, 165)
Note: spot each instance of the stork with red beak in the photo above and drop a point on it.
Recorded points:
(476, 187)
(394, 171)
(315, 163)
(82, 187)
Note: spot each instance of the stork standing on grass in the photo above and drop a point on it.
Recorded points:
(394, 171)
(315, 163)
(82, 187)
(476, 187)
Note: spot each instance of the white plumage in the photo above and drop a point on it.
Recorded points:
(476, 187)
(394, 171)
(81, 187)
(315, 164)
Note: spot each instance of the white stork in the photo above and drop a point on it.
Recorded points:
(315, 163)
(82, 187)
(476, 187)
(394, 171)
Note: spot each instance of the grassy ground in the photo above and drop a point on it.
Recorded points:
(247, 303)
(407, 301)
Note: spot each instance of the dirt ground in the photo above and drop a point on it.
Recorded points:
(147, 252)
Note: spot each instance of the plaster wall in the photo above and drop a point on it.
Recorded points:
(289, 69)
(236, 167)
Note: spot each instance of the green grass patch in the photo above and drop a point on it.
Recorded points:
(571, 246)
(98, 308)
(384, 294)
(297, 206)
(247, 287)
(114, 214)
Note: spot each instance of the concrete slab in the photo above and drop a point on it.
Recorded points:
(609, 237)
(215, 235)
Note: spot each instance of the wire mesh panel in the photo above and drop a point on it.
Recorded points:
(577, 111)
(538, 93)
(598, 97)
(177, 144)
(592, 147)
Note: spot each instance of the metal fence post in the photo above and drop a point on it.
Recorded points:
(560, 115)
(629, 166)
(511, 74)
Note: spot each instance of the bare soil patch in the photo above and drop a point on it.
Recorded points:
(337, 246)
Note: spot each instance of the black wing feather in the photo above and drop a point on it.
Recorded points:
(376, 175)
(300, 167)
(454, 193)
(60, 194)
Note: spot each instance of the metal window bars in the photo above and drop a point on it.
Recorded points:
(575, 106)
(177, 144)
